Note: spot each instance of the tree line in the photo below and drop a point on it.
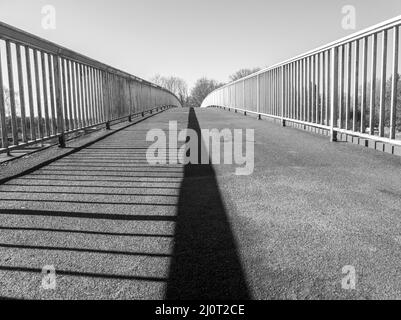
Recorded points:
(202, 88)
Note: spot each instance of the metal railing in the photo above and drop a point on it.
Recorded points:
(47, 91)
(336, 87)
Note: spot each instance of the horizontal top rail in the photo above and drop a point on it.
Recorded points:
(388, 24)
(21, 37)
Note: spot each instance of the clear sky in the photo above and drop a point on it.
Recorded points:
(193, 38)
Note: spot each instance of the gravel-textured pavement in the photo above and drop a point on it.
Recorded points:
(115, 227)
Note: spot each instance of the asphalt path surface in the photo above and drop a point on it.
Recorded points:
(115, 227)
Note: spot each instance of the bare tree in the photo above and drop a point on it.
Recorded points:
(243, 73)
(176, 85)
(201, 90)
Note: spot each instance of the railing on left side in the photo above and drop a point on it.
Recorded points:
(47, 91)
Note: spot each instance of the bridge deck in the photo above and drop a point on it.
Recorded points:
(115, 227)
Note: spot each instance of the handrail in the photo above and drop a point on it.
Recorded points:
(333, 86)
(55, 91)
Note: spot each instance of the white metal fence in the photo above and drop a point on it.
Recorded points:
(348, 86)
(47, 91)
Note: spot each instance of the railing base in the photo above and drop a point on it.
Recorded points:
(333, 135)
(61, 141)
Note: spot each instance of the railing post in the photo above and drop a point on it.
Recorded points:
(4, 135)
(394, 82)
(258, 95)
(243, 96)
(282, 96)
(334, 94)
(59, 107)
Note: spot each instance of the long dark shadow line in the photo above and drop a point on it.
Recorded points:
(205, 263)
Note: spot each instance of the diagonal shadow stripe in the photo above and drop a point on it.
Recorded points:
(84, 250)
(95, 233)
(85, 274)
(85, 215)
(92, 202)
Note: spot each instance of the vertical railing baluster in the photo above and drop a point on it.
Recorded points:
(45, 97)
(324, 106)
(30, 94)
(299, 96)
(349, 88)
(304, 89)
(78, 97)
(364, 83)
(64, 95)
(394, 82)
(69, 90)
(88, 96)
(283, 93)
(334, 93)
(356, 86)
(50, 57)
(270, 83)
(21, 94)
(14, 125)
(243, 97)
(288, 97)
(58, 82)
(275, 92)
(372, 108)
(82, 94)
(105, 95)
(38, 93)
(307, 89)
(383, 83)
(258, 94)
(328, 96)
(4, 134)
(301, 89)
(100, 95)
(341, 93)
(313, 89)
(94, 94)
(74, 95)
(292, 83)
(318, 87)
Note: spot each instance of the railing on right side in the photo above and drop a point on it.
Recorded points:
(347, 86)
(47, 91)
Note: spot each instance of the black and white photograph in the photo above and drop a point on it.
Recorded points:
(200, 157)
